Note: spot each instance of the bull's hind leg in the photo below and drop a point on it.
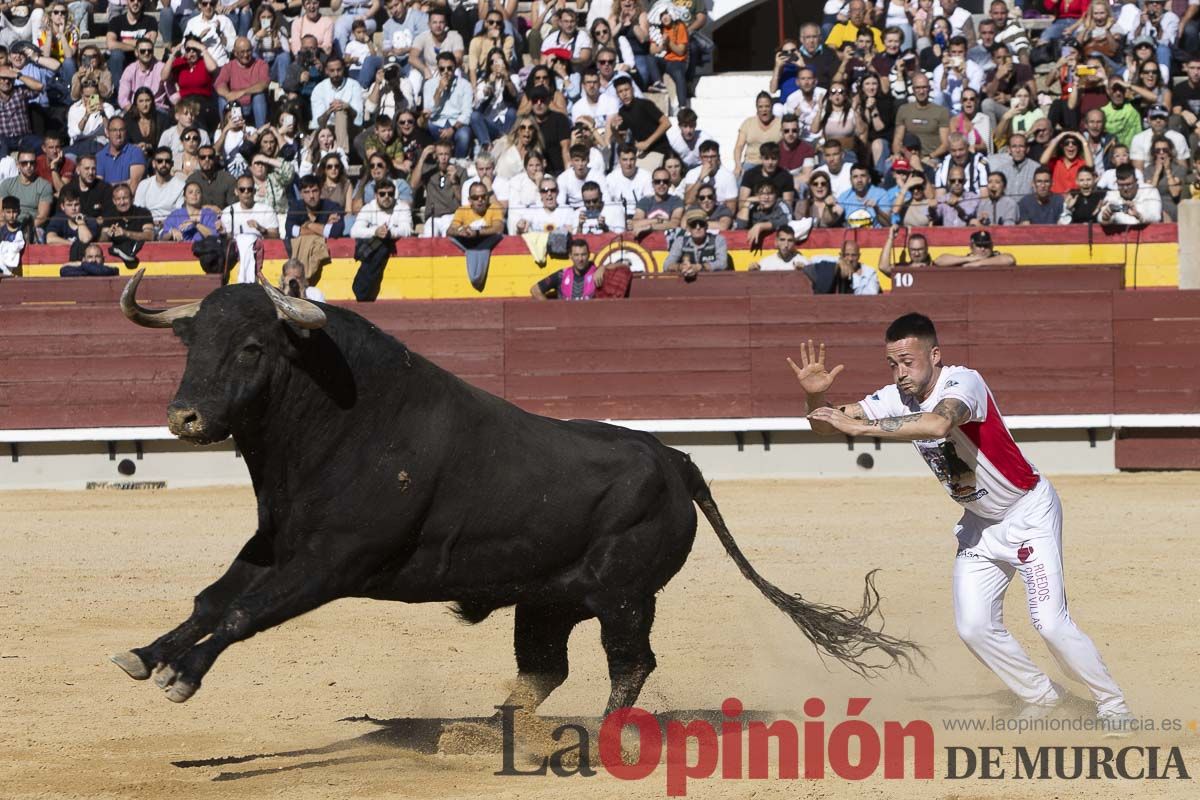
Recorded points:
(625, 633)
(540, 641)
(251, 564)
(288, 591)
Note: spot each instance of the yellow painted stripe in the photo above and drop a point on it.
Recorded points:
(512, 275)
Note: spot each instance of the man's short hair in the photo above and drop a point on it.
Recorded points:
(789, 118)
(383, 121)
(189, 104)
(68, 194)
(766, 186)
(785, 231)
(833, 144)
(309, 181)
(626, 149)
(710, 146)
(998, 46)
(990, 23)
(1086, 168)
(10, 203)
(894, 31)
(622, 80)
(163, 151)
(912, 325)
(58, 136)
(1125, 171)
(1042, 170)
(439, 11)
(864, 168)
(579, 151)
(589, 186)
(687, 116)
(384, 183)
(958, 40)
(768, 150)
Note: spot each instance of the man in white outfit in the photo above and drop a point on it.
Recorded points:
(247, 223)
(1012, 519)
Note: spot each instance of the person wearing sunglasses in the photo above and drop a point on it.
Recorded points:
(450, 102)
(146, 72)
(956, 206)
(701, 250)
(247, 222)
(162, 192)
(215, 31)
(549, 216)
(124, 33)
(658, 211)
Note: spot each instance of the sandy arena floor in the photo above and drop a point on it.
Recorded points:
(88, 574)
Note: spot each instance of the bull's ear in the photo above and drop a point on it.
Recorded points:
(183, 329)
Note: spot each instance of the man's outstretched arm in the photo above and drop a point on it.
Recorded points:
(946, 416)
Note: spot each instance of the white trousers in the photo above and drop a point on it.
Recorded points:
(1029, 541)
(247, 260)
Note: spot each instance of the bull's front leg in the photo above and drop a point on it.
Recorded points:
(253, 563)
(304, 583)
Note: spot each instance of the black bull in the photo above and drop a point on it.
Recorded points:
(378, 474)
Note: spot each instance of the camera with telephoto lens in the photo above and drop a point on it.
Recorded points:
(293, 288)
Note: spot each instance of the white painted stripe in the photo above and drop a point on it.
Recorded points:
(724, 425)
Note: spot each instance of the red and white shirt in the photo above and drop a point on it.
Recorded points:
(978, 462)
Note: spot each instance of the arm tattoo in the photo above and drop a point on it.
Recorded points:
(954, 410)
(890, 424)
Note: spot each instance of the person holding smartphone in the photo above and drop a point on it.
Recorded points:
(86, 119)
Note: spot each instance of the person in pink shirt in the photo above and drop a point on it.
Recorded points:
(244, 80)
(312, 23)
(144, 72)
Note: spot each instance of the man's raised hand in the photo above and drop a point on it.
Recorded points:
(811, 371)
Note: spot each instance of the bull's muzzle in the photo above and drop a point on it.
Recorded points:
(185, 422)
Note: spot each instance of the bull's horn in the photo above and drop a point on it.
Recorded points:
(298, 310)
(147, 318)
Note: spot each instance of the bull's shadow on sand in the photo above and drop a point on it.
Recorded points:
(421, 735)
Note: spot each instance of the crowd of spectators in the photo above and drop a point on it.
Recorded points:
(375, 120)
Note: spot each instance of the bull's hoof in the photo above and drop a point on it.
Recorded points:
(133, 665)
(180, 691)
(165, 676)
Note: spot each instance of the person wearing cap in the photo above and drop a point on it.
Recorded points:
(1121, 117)
(1130, 203)
(909, 199)
(1161, 25)
(1156, 122)
(700, 251)
(981, 254)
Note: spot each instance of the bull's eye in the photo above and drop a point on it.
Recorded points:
(250, 353)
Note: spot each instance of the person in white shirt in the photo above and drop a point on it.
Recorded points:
(521, 191)
(594, 103)
(248, 223)
(578, 173)
(598, 215)
(1130, 203)
(337, 101)
(550, 216)
(1012, 517)
(805, 103)
(955, 73)
(835, 166)
(685, 138)
(711, 173)
(627, 183)
(376, 228)
(1118, 155)
(163, 193)
(569, 37)
(215, 31)
(1156, 121)
(787, 258)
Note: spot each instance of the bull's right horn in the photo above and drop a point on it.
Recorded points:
(298, 310)
(144, 316)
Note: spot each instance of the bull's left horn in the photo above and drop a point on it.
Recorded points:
(147, 318)
(298, 310)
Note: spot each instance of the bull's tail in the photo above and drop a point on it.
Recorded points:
(845, 635)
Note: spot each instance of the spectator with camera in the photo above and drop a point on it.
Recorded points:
(303, 76)
(86, 119)
(294, 283)
(1130, 203)
(954, 74)
(598, 215)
